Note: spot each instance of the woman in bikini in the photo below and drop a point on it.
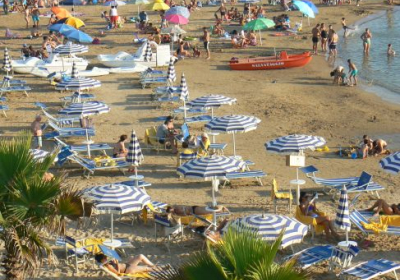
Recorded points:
(324, 37)
(309, 208)
(131, 267)
(119, 149)
(381, 206)
(366, 38)
(181, 210)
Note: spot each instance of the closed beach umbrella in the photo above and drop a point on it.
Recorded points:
(184, 93)
(177, 19)
(304, 9)
(74, 22)
(391, 163)
(70, 48)
(212, 101)
(148, 54)
(258, 25)
(7, 61)
(135, 155)
(85, 109)
(269, 227)
(212, 169)
(60, 28)
(342, 220)
(294, 143)
(311, 5)
(78, 36)
(60, 13)
(159, 5)
(233, 124)
(171, 74)
(117, 199)
(38, 155)
(178, 10)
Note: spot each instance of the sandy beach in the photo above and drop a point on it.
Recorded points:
(291, 101)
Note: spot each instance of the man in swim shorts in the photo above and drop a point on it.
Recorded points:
(35, 15)
(353, 73)
(206, 41)
(316, 33)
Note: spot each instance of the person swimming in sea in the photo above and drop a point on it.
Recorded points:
(390, 50)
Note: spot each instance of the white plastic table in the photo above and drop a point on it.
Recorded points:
(112, 243)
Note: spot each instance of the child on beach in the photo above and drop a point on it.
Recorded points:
(353, 73)
(36, 129)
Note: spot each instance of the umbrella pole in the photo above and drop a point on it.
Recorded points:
(215, 184)
(347, 237)
(87, 142)
(234, 144)
(112, 227)
(298, 187)
(259, 32)
(184, 108)
(136, 181)
(308, 18)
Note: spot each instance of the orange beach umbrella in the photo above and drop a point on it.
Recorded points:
(60, 12)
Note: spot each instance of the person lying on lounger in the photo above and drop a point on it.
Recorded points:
(181, 210)
(381, 206)
(309, 208)
(131, 267)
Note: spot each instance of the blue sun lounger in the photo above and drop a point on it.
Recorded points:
(11, 88)
(145, 82)
(371, 269)
(358, 218)
(254, 174)
(196, 119)
(363, 183)
(84, 97)
(70, 132)
(150, 73)
(4, 107)
(84, 148)
(8, 81)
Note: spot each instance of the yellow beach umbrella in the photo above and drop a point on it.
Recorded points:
(75, 22)
(159, 5)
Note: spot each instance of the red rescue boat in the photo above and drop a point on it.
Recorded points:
(280, 61)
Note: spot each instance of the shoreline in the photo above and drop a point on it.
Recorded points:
(382, 92)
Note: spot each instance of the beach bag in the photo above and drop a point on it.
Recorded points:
(96, 41)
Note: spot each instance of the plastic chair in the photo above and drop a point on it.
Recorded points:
(277, 196)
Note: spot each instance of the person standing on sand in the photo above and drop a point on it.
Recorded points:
(27, 13)
(333, 44)
(353, 71)
(35, 15)
(324, 37)
(315, 38)
(366, 38)
(114, 16)
(36, 129)
(206, 41)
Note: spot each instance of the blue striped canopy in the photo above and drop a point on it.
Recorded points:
(171, 75)
(77, 35)
(212, 100)
(269, 227)
(184, 94)
(135, 156)
(311, 5)
(61, 27)
(85, 109)
(391, 163)
(342, 220)
(117, 198)
(7, 61)
(209, 168)
(77, 83)
(304, 8)
(148, 52)
(233, 124)
(70, 48)
(294, 143)
(178, 10)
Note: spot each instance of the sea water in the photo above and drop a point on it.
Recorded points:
(380, 73)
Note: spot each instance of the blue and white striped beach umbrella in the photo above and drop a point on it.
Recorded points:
(211, 101)
(7, 61)
(148, 53)
(211, 168)
(342, 220)
(171, 74)
(70, 48)
(269, 227)
(135, 155)
(233, 124)
(85, 109)
(38, 155)
(77, 83)
(184, 91)
(117, 199)
(391, 163)
(294, 143)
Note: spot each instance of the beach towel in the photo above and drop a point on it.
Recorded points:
(308, 220)
(89, 242)
(375, 227)
(392, 220)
